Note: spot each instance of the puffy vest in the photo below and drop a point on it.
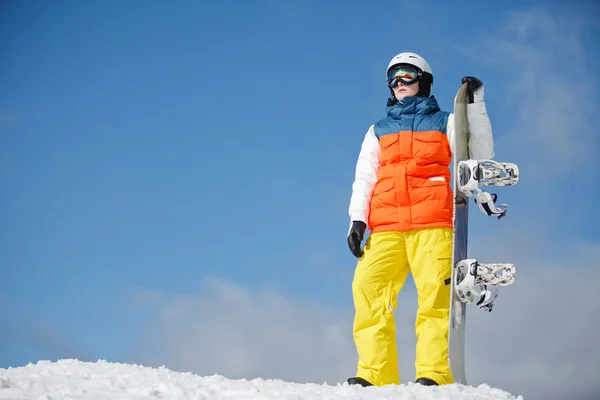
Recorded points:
(413, 184)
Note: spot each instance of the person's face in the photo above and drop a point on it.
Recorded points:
(403, 81)
(403, 90)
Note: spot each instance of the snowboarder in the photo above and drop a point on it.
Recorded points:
(402, 193)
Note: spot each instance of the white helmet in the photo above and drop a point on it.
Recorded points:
(426, 76)
(409, 58)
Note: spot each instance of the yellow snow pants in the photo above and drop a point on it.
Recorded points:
(380, 274)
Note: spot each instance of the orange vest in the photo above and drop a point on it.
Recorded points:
(413, 184)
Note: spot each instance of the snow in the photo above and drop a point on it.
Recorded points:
(73, 379)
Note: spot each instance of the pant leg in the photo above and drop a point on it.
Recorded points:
(379, 276)
(429, 253)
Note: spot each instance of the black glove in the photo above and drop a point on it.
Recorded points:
(355, 236)
(474, 84)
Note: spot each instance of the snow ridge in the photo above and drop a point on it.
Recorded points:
(73, 379)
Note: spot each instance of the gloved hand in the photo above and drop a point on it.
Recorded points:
(355, 237)
(475, 89)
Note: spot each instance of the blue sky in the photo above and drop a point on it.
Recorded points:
(176, 177)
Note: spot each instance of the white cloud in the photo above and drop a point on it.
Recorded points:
(544, 329)
(229, 330)
(543, 64)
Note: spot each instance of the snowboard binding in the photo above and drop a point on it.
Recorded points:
(475, 279)
(472, 174)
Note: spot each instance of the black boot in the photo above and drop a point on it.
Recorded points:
(426, 382)
(359, 381)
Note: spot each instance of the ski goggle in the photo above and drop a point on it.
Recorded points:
(404, 74)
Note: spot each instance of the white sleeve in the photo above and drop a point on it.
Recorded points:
(481, 142)
(365, 179)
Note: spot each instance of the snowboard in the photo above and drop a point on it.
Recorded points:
(470, 278)
(460, 223)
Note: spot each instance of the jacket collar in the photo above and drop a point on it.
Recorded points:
(412, 105)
